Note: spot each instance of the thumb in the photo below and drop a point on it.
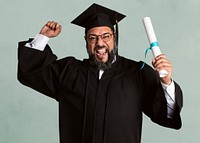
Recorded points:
(153, 61)
(58, 29)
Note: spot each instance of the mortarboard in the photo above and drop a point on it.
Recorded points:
(96, 16)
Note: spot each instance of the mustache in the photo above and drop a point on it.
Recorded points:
(99, 47)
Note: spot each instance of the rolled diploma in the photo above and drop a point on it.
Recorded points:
(152, 38)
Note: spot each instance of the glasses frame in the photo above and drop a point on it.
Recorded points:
(96, 37)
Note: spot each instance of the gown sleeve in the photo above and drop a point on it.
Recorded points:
(154, 101)
(40, 70)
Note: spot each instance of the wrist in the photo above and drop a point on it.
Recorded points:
(166, 81)
(40, 41)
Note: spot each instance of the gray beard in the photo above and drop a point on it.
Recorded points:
(103, 66)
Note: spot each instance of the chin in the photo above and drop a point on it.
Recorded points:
(102, 60)
(103, 63)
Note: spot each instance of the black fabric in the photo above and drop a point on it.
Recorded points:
(108, 110)
(97, 15)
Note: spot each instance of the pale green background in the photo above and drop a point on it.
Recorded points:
(28, 117)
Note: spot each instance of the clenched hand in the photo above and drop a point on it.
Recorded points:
(51, 29)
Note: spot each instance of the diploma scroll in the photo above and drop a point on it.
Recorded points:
(153, 41)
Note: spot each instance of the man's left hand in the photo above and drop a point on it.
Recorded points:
(161, 63)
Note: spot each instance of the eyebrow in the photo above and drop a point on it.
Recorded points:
(100, 34)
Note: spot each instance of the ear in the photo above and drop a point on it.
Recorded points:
(114, 36)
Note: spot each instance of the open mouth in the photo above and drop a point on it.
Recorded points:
(101, 52)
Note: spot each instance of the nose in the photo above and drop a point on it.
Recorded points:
(99, 42)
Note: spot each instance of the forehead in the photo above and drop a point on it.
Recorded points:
(99, 30)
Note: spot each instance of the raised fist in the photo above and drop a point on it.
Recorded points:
(51, 29)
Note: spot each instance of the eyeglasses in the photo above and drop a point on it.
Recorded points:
(92, 38)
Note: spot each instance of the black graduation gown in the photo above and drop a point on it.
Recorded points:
(108, 110)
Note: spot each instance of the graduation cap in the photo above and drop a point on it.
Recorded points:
(97, 15)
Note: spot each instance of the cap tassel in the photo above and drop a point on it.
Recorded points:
(116, 33)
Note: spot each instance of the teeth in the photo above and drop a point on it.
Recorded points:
(101, 51)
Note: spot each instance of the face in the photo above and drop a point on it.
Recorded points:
(100, 42)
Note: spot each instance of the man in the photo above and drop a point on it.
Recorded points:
(102, 98)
